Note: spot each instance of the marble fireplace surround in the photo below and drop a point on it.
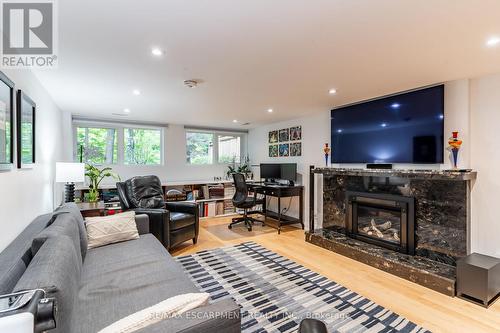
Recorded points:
(442, 221)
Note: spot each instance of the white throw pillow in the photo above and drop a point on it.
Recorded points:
(104, 230)
(168, 308)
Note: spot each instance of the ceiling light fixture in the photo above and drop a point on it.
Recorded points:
(126, 110)
(235, 121)
(493, 41)
(270, 110)
(332, 91)
(395, 105)
(136, 92)
(383, 125)
(156, 51)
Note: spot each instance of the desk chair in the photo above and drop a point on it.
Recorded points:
(243, 200)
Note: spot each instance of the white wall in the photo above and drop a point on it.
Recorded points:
(175, 167)
(26, 193)
(485, 158)
(315, 133)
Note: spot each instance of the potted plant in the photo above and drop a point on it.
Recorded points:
(242, 168)
(96, 176)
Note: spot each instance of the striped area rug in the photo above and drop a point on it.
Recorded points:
(275, 293)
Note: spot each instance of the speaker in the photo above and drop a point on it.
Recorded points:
(385, 166)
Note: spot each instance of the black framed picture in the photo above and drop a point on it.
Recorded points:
(26, 114)
(273, 150)
(284, 135)
(6, 122)
(296, 133)
(284, 149)
(273, 136)
(296, 149)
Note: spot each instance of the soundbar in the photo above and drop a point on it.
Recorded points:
(384, 166)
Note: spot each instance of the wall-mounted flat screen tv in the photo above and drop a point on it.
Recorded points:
(402, 128)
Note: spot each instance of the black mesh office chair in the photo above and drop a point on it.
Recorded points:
(243, 200)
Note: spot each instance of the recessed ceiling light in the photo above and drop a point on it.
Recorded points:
(156, 51)
(493, 41)
(395, 105)
(332, 91)
(441, 116)
(235, 120)
(126, 110)
(136, 92)
(270, 110)
(383, 125)
(339, 130)
(191, 83)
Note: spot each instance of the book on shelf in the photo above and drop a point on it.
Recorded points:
(216, 191)
(205, 193)
(219, 208)
(229, 190)
(210, 209)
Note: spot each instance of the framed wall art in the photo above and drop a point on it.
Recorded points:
(273, 136)
(296, 149)
(296, 133)
(26, 114)
(284, 149)
(273, 151)
(6, 122)
(284, 135)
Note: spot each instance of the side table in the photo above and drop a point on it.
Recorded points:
(91, 209)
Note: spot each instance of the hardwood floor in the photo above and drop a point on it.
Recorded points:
(432, 310)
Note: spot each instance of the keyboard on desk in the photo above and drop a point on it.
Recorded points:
(276, 185)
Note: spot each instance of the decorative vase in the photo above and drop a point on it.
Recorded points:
(455, 144)
(326, 150)
(454, 152)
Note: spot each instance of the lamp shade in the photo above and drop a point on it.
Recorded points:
(70, 172)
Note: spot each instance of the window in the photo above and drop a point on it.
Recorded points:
(96, 145)
(199, 147)
(142, 146)
(118, 144)
(206, 147)
(229, 149)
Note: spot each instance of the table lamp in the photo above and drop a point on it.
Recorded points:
(70, 173)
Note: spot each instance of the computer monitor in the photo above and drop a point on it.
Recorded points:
(282, 171)
(270, 171)
(288, 171)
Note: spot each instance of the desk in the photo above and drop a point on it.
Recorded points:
(280, 191)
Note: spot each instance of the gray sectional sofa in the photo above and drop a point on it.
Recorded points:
(94, 288)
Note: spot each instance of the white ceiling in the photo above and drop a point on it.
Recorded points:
(255, 54)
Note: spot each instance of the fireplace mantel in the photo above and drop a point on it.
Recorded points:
(403, 173)
(442, 218)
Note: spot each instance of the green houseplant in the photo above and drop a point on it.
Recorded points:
(242, 168)
(96, 176)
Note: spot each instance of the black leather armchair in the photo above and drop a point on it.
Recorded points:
(171, 222)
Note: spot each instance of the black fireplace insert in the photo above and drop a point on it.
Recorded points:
(382, 219)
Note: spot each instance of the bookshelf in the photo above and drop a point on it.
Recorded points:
(214, 198)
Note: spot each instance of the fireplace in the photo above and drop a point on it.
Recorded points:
(382, 219)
